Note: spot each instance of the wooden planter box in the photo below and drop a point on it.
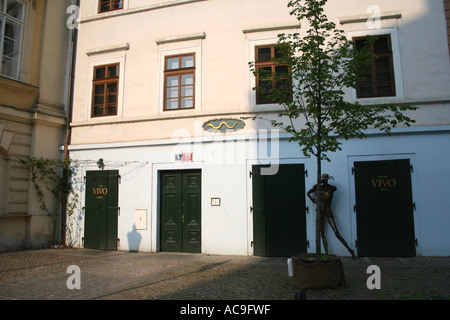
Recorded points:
(311, 272)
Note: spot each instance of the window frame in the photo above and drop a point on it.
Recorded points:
(389, 54)
(105, 82)
(4, 17)
(268, 63)
(110, 3)
(179, 72)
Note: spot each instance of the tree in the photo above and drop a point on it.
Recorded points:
(322, 64)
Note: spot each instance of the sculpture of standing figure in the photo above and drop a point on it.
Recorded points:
(325, 211)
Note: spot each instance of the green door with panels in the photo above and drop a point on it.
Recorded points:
(384, 209)
(279, 214)
(180, 211)
(101, 210)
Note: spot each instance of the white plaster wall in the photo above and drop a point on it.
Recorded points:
(228, 229)
(224, 228)
(224, 82)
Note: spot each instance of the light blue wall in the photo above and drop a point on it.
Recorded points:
(429, 153)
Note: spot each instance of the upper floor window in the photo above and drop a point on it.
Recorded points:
(105, 90)
(11, 24)
(109, 5)
(179, 82)
(271, 75)
(378, 78)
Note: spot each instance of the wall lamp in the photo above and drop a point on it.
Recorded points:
(100, 164)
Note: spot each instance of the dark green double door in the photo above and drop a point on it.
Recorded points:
(384, 209)
(101, 210)
(180, 211)
(279, 214)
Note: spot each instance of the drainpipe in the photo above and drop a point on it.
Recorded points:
(72, 49)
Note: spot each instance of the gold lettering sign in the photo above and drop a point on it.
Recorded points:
(100, 191)
(384, 183)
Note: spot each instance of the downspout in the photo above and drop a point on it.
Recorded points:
(72, 49)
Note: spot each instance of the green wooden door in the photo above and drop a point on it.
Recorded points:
(180, 211)
(101, 210)
(279, 217)
(385, 221)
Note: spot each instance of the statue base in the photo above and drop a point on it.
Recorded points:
(312, 271)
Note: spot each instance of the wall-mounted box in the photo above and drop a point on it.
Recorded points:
(140, 219)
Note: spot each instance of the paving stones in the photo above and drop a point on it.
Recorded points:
(115, 275)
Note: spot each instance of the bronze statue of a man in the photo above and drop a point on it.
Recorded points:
(326, 195)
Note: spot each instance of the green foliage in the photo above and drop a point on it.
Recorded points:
(52, 177)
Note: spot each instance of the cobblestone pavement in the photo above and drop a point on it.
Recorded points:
(106, 275)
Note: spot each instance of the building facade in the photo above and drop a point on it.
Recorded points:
(165, 162)
(33, 90)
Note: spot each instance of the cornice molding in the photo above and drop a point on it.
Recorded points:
(365, 17)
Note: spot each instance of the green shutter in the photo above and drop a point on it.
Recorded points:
(180, 211)
(385, 221)
(101, 210)
(279, 215)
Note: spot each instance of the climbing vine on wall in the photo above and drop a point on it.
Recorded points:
(53, 177)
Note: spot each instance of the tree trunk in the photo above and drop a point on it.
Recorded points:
(318, 203)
